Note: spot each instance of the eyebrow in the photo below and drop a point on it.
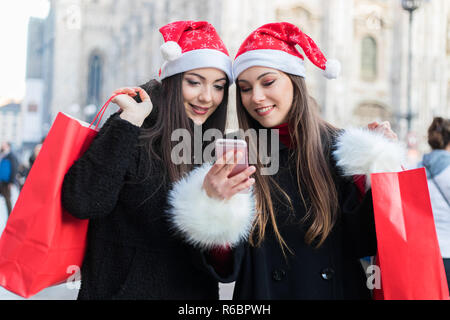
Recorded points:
(203, 78)
(259, 77)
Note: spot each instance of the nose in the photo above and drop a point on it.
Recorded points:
(258, 95)
(205, 95)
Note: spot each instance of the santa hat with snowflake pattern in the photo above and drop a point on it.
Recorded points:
(191, 45)
(273, 45)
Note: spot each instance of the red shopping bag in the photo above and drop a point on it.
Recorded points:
(408, 254)
(42, 243)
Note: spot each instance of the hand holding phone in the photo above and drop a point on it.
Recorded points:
(229, 175)
(224, 146)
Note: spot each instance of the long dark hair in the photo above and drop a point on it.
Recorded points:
(312, 137)
(169, 114)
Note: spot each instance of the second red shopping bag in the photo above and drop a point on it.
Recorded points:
(409, 257)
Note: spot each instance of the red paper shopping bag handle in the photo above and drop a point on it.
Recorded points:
(102, 111)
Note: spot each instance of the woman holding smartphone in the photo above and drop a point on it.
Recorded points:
(122, 180)
(311, 225)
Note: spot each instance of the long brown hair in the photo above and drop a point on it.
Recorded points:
(312, 138)
(169, 114)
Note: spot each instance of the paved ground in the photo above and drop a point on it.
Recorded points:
(226, 291)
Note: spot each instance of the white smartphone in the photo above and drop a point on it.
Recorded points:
(225, 145)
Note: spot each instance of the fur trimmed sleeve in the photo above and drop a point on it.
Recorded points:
(360, 151)
(207, 222)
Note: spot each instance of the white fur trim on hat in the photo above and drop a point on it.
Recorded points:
(362, 152)
(170, 50)
(276, 59)
(207, 222)
(195, 59)
(332, 69)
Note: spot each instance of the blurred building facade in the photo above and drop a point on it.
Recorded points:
(10, 123)
(88, 48)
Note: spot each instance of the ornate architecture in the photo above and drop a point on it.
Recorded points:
(91, 47)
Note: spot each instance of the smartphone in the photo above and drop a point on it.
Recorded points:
(225, 145)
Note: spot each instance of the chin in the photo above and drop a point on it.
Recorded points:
(269, 123)
(198, 120)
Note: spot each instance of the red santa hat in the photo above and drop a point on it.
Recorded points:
(273, 45)
(192, 45)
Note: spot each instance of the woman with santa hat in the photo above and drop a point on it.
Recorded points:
(120, 184)
(311, 224)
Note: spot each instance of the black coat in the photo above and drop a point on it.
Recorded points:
(332, 271)
(131, 252)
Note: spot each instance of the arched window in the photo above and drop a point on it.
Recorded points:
(94, 85)
(368, 58)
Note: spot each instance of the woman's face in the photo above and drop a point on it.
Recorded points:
(266, 94)
(203, 91)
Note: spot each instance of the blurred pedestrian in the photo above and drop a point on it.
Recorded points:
(22, 173)
(437, 166)
(34, 154)
(8, 172)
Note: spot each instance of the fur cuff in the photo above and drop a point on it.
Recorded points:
(362, 152)
(206, 222)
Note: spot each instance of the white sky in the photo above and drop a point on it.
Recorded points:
(14, 15)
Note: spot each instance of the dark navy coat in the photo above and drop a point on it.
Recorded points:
(332, 271)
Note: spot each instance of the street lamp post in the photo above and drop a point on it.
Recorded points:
(410, 6)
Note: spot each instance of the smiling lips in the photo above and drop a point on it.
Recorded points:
(260, 111)
(199, 110)
(263, 111)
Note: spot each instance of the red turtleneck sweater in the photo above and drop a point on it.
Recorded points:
(285, 137)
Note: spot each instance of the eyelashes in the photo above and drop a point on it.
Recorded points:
(191, 82)
(265, 84)
(196, 83)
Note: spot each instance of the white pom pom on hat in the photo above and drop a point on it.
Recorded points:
(332, 69)
(170, 50)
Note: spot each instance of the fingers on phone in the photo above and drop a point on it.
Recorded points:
(242, 176)
(226, 158)
(221, 163)
(244, 185)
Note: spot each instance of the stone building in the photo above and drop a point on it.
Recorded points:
(91, 47)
